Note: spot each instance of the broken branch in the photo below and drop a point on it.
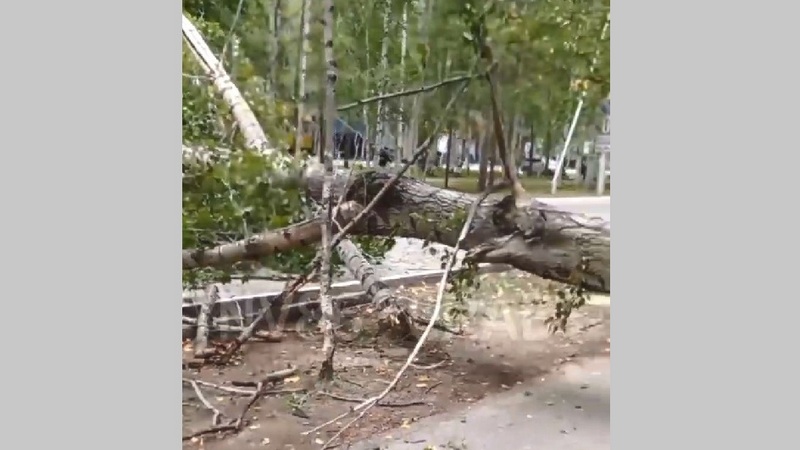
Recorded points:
(408, 92)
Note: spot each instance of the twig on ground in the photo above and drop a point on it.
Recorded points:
(430, 367)
(217, 414)
(271, 377)
(212, 430)
(239, 422)
(204, 323)
(229, 390)
(432, 387)
(360, 400)
(367, 404)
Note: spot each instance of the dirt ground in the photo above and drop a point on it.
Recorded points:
(505, 342)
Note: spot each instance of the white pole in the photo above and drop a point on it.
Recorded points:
(601, 176)
(562, 156)
(603, 157)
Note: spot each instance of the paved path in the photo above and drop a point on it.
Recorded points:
(569, 410)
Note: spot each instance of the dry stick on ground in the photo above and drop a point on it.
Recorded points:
(261, 390)
(204, 323)
(369, 403)
(217, 414)
(212, 430)
(360, 400)
(271, 377)
(227, 389)
(238, 423)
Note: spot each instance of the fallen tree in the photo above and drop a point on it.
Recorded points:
(535, 237)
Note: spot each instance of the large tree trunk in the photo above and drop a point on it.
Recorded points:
(573, 248)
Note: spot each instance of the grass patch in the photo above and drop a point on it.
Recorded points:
(534, 185)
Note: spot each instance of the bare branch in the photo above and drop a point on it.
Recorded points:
(408, 92)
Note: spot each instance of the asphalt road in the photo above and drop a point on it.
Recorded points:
(590, 206)
(569, 410)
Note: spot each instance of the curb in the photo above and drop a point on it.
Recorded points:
(249, 305)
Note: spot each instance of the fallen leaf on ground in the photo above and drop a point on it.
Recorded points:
(291, 380)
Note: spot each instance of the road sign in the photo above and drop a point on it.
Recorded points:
(602, 144)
